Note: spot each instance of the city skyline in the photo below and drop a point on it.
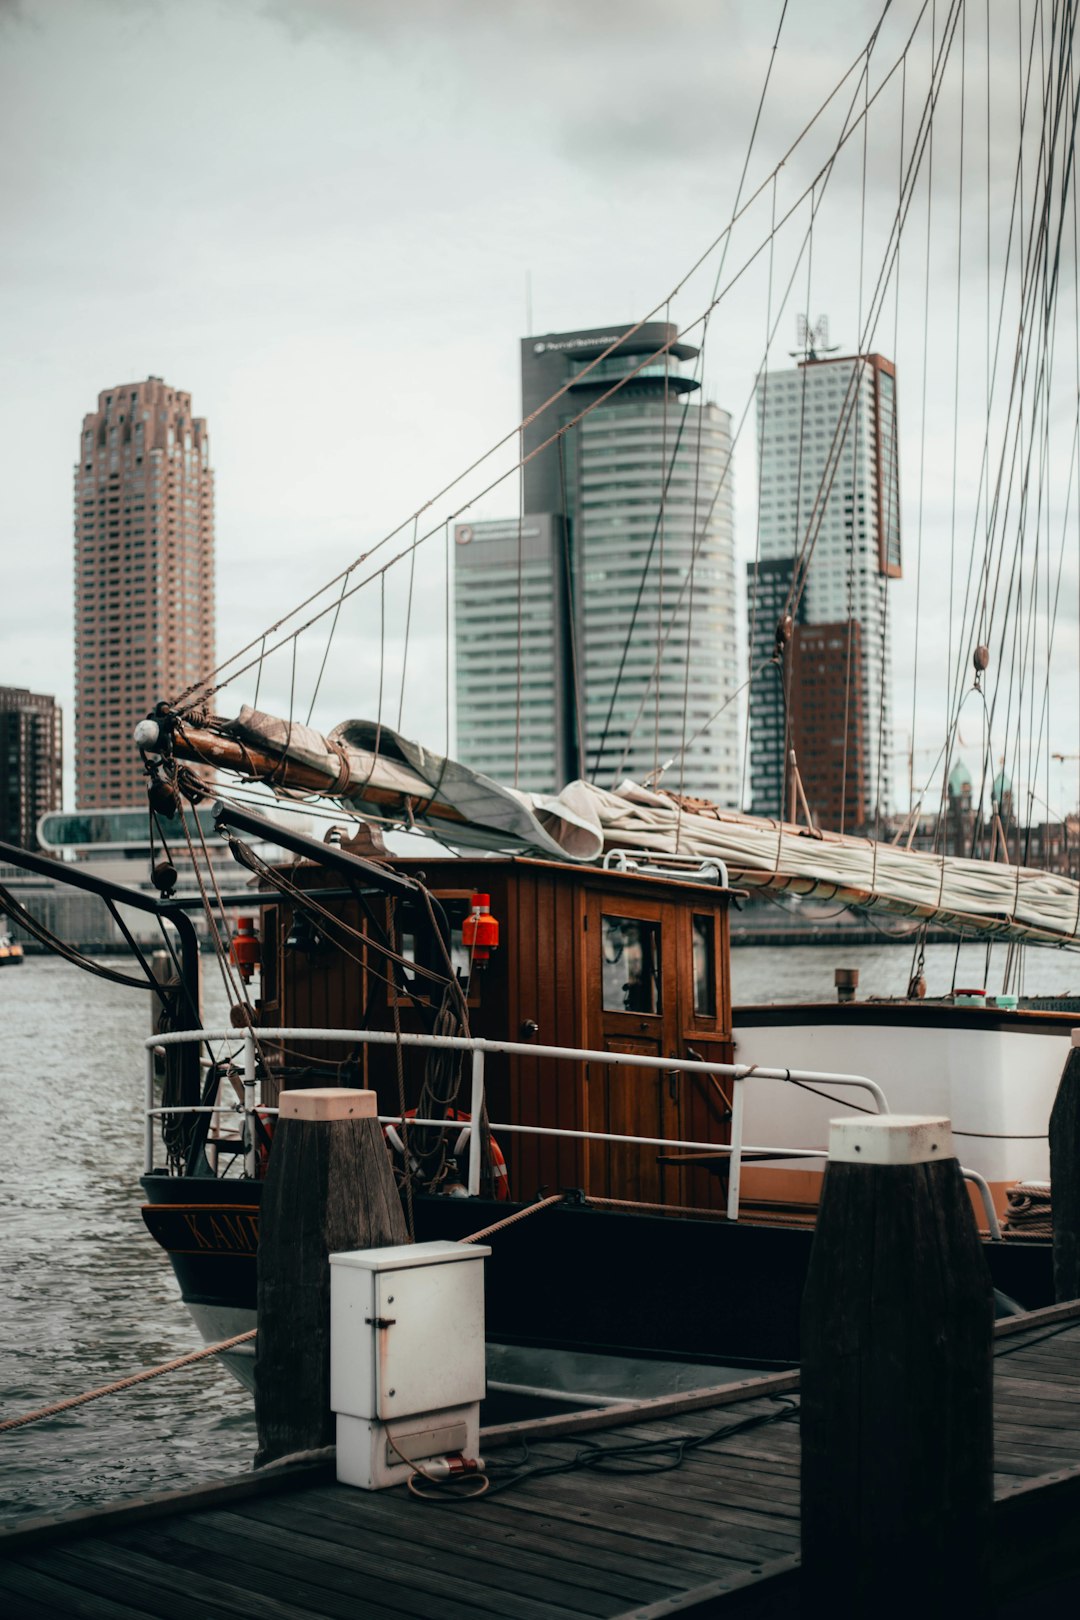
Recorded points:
(341, 283)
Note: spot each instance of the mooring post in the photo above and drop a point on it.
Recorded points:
(329, 1188)
(1065, 1176)
(897, 1380)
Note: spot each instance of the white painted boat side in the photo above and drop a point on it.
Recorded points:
(996, 1086)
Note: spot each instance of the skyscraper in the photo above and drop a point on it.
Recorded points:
(144, 576)
(639, 541)
(829, 517)
(31, 762)
(511, 651)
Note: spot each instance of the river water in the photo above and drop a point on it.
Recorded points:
(86, 1296)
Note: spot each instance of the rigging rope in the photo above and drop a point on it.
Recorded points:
(118, 1384)
(203, 690)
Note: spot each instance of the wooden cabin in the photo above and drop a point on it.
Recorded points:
(608, 960)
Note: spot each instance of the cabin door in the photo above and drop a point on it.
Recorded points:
(633, 1005)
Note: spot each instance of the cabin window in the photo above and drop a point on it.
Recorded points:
(456, 908)
(631, 964)
(704, 941)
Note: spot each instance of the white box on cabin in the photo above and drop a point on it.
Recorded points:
(406, 1329)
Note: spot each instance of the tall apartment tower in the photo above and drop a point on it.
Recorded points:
(144, 576)
(829, 480)
(31, 763)
(513, 678)
(628, 572)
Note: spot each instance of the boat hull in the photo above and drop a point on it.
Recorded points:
(569, 1277)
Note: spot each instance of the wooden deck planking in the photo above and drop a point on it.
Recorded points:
(584, 1545)
(587, 1562)
(38, 1595)
(489, 1585)
(1037, 1404)
(448, 1545)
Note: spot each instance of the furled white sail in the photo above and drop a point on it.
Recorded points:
(372, 768)
(1008, 901)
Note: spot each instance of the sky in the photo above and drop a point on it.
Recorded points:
(331, 221)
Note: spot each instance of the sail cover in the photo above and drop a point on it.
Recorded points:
(371, 767)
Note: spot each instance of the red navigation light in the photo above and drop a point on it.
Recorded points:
(245, 949)
(480, 930)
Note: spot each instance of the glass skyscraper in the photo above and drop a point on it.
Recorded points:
(634, 501)
(509, 576)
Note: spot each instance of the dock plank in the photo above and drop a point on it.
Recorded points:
(477, 1582)
(132, 1571)
(691, 1489)
(29, 1590)
(485, 1537)
(574, 1538)
(481, 1541)
(586, 1544)
(274, 1568)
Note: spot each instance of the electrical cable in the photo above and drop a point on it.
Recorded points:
(636, 1456)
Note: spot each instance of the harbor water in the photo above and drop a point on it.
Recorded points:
(86, 1296)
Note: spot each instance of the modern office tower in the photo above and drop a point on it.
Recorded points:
(514, 693)
(769, 597)
(31, 762)
(638, 501)
(144, 576)
(829, 515)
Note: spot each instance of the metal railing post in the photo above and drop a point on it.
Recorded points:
(477, 1048)
(148, 1140)
(251, 1151)
(992, 1222)
(738, 1105)
(476, 1109)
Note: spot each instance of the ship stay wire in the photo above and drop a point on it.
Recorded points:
(1002, 603)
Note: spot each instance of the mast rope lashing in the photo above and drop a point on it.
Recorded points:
(344, 775)
(119, 1384)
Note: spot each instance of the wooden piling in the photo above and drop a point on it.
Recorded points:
(897, 1380)
(329, 1187)
(1065, 1177)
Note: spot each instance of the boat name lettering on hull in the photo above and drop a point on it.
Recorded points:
(204, 1231)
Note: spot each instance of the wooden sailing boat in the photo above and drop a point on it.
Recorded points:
(615, 1066)
(612, 906)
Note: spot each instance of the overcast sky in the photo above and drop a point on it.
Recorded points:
(320, 216)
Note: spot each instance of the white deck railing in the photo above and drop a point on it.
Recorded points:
(478, 1048)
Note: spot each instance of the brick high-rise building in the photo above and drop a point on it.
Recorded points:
(31, 760)
(828, 483)
(144, 576)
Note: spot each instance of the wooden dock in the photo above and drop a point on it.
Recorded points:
(717, 1534)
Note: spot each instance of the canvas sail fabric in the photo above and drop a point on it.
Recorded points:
(378, 759)
(1008, 901)
(583, 821)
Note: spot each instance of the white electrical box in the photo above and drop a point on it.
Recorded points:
(406, 1357)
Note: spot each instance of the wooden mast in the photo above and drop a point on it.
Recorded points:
(200, 746)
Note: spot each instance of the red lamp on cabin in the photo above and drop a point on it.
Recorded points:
(480, 930)
(244, 948)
